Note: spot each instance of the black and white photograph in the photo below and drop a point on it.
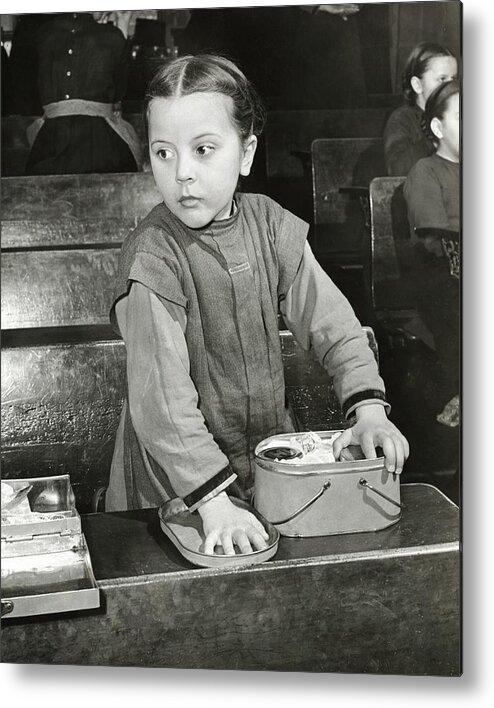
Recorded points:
(234, 319)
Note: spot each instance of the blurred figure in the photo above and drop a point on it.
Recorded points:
(82, 71)
(432, 192)
(405, 141)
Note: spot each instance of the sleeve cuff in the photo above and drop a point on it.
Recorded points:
(210, 489)
(368, 396)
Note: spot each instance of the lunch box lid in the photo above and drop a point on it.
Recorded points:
(185, 531)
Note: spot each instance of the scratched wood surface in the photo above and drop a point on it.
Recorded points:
(382, 603)
(57, 287)
(69, 232)
(45, 197)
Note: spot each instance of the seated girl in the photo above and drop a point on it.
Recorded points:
(405, 141)
(432, 192)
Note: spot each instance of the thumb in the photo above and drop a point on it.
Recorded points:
(342, 441)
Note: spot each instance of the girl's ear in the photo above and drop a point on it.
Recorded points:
(437, 128)
(249, 150)
(416, 84)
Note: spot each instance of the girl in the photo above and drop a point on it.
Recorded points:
(432, 192)
(201, 281)
(404, 139)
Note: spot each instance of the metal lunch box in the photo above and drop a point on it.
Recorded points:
(323, 498)
(46, 566)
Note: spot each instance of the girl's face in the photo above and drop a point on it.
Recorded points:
(439, 69)
(197, 155)
(447, 130)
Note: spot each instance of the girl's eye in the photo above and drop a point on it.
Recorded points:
(204, 149)
(164, 153)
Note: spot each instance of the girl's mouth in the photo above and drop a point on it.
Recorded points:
(189, 201)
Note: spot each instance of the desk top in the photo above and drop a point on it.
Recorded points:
(130, 544)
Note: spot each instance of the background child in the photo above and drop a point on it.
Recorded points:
(404, 139)
(201, 281)
(432, 192)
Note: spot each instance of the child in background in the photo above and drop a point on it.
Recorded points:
(432, 192)
(405, 141)
(201, 281)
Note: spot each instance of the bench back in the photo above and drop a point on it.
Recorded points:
(45, 197)
(288, 131)
(392, 280)
(61, 237)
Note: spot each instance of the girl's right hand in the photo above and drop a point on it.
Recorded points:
(226, 525)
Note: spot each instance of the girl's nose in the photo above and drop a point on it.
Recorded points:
(184, 171)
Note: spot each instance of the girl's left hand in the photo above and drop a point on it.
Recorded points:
(373, 429)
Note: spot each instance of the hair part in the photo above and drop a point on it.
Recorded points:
(418, 63)
(437, 105)
(210, 73)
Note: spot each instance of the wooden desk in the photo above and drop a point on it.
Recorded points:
(383, 602)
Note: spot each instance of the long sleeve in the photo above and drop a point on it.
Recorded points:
(404, 141)
(163, 400)
(322, 319)
(424, 197)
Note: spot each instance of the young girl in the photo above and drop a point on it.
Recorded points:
(405, 141)
(201, 281)
(432, 192)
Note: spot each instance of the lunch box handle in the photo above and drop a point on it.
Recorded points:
(7, 607)
(364, 483)
(305, 506)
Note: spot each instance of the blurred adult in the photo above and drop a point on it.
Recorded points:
(82, 71)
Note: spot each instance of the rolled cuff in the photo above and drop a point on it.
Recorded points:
(367, 396)
(210, 489)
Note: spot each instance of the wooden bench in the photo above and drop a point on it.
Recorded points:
(341, 172)
(61, 237)
(392, 277)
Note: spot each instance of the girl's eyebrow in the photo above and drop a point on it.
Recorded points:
(207, 135)
(197, 137)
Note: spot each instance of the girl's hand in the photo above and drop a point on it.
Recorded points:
(225, 525)
(373, 429)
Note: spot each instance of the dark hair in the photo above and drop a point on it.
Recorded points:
(418, 63)
(437, 104)
(214, 74)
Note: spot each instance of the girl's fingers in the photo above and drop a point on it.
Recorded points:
(389, 450)
(227, 542)
(368, 447)
(401, 454)
(258, 540)
(242, 541)
(341, 442)
(210, 542)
